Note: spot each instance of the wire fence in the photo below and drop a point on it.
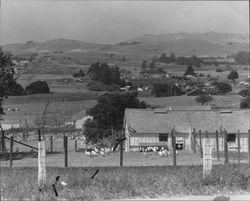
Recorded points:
(24, 152)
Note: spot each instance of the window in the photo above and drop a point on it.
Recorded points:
(163, 137)
(231, 137)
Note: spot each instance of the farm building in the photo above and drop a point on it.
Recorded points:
(7, 126)
(153, 127)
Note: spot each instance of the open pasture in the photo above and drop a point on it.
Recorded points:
(61, 110)
(52, 97)
(230, 101)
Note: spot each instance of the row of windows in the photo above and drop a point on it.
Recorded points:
(163, 137)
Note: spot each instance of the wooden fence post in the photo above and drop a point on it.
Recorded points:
(51, 144)
(238, 138)
(249, 147)
(39, 135)
(3, 141)
(65, 151)
(225, 147)
(194, 135)
(41, 160)
(217, 146)
(200, 144)
(11, 150)
(75, 145)
(174, 147)
(121, 153)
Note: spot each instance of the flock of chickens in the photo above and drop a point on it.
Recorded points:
(97, 152)
(163, 152)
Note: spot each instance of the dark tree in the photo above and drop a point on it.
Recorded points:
(233, 75)
(144, 64)
(222, 88)
(80, 73)
(110, 107)
(243, 58)
(244, 92)
(219, 70)
(189, 71)
(6, 76)
(105, 74)
(152, 64)
(172, 58)
(163, 58)
(15, 90)
(245, 103)
(37, 87)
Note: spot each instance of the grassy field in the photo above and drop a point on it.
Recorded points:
(61, 107)
(232, 101)
(126, 182)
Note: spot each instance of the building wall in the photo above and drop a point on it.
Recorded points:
(231, 145)
(9, 126)
(135, 139)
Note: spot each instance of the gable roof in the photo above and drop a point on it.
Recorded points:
(162, 121)
(194, 91)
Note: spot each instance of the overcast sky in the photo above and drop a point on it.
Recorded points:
(115, 21)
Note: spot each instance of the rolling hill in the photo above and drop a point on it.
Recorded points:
(59, 44)
(185, 44)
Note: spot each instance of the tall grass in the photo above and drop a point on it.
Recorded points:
(126, 182)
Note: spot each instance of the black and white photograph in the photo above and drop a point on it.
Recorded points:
(122, 100)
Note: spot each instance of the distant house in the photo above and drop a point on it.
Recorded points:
(79, 119)
(8, 126)
(195, 92)
(148, 127)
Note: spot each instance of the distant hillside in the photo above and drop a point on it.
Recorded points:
(186, 44)
(52, 45)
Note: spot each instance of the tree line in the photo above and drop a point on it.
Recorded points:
(8, 80)
(242, 58)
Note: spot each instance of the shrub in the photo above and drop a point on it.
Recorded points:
(219, 70)
(244, 92)
(80, 73)
(245, 103)
(37, 87)
(204, 98)
(222, 87)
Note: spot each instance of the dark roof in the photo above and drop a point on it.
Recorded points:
(162, 121)
(194, 91)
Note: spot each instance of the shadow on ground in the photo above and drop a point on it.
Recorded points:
(22, 155)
